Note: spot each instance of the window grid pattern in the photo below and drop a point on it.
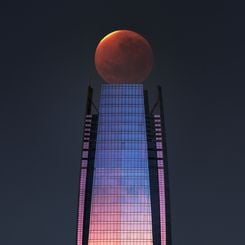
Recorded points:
(83, 179)
(121, 206)
(161, 184)
(81, 206)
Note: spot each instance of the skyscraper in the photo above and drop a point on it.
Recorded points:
(124, 192)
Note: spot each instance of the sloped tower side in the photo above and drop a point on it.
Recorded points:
(87, 170)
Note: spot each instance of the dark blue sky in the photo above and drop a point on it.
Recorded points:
(46, 57)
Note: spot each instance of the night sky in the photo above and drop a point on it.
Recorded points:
(47, 50)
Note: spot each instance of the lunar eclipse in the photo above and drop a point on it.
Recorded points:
(124, 56)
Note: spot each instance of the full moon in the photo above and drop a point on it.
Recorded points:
(124, 56)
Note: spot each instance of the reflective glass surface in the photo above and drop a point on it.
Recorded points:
(121, 206)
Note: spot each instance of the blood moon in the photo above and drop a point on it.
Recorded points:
(124, 56)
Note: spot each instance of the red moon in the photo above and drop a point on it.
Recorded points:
(124, 57)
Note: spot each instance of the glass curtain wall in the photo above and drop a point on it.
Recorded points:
(121, 204)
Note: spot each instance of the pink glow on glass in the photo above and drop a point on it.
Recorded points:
(162, 205)
(121, 207)
(81, 206)
(85, 154)
(159, 145)
(160, 163)
(159, 154)
(85, 145)
(84, 163)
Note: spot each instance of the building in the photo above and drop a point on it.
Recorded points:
(124, 192)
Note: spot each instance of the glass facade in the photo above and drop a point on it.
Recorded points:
(122, 192)
(120, 207)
